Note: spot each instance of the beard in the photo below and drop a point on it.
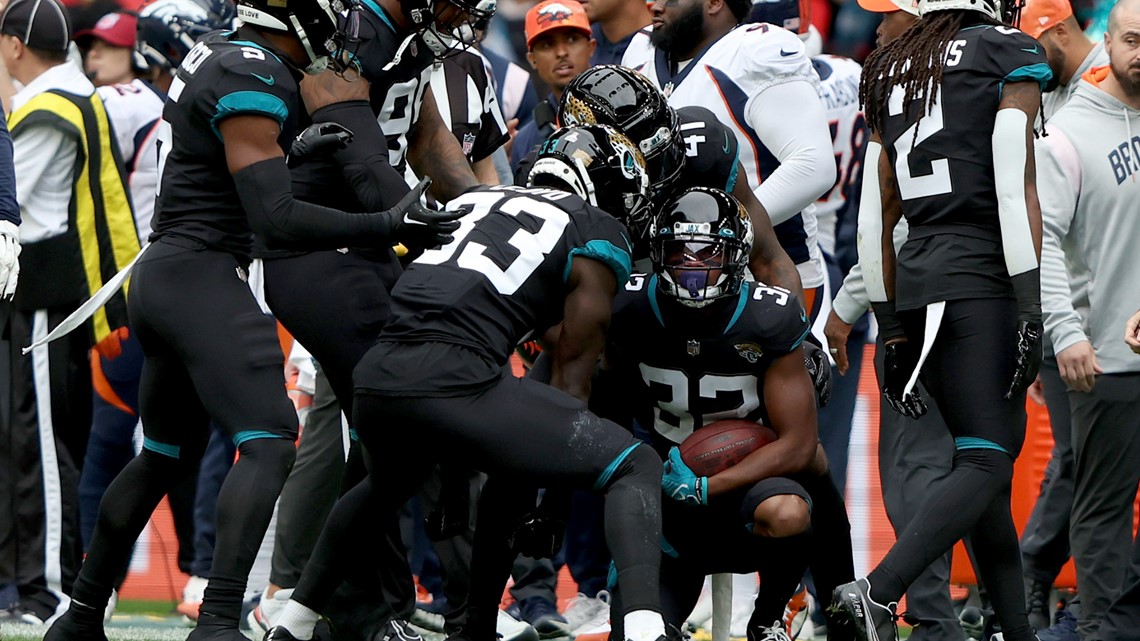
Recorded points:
(678, 37)
(1129, 80)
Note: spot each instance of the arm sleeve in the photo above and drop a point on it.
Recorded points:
(1058, 184)
(284, 222)
(790, 121)
(33, 150)
(364, 161)
(852, 300)
(9, 206)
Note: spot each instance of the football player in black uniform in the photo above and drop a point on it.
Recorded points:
(335, 302)
(953, 101)
(694, 343)
(210, 351)
(684, 148)
(683, 152)
(434, 388)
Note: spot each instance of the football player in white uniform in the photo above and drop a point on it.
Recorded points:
(758, 79)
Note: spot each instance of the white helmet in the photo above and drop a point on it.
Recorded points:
(992, 8)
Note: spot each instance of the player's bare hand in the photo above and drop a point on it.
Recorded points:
(1079, 366)
(328, 88)
(1036, 391)
(837, 332)
(1132, 333)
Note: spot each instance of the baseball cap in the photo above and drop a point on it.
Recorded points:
(555, 14)
(40, 24)
(116, 29)
(890, 6)
(1039, 16)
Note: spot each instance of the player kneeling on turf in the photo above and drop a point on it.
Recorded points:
(697, 345)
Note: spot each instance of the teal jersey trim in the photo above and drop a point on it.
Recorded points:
(252, 435)
(250, 43)
(165, 449)
(732, 175)
(802, 338)
(653, 299)
(1039, 72)
(608, 473)
(352, 435)
(617, 259)
(975, 443)
(740, 304)
(249, 102)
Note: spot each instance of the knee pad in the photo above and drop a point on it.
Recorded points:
(765, 490)
(638, 460)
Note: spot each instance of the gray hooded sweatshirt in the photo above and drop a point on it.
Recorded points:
(1090, 205)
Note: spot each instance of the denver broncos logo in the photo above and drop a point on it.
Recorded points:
(554, 12)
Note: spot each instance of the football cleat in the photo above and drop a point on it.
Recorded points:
(509, 628)
(873, 621)
(278, 633)
(262, 616)
(796, 613)
(396, 630)
(212, 628)
(775, 633)
(70, 626)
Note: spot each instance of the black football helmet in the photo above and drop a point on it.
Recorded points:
(793, 15)
(624, 99)
(168, 29)
(445, 38)
(601, 165)
(699, 245)
(328, 29)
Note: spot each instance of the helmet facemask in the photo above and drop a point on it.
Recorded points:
(697, 268)
(445, 38)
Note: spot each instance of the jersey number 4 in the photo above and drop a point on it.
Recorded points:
(935, 183)
(532, 247)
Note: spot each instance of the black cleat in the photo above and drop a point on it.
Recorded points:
(396, 630)
(872, 621)
(71, 626)
(278, 633)
(214, 628)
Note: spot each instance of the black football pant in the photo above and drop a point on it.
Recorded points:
(521, 433)
(335, 304)
(43, 436)
(210, 352)
(967, 373)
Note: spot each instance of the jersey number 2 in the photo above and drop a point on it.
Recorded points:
(673, 417)
(935, 183)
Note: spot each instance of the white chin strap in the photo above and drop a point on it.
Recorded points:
(578, 181)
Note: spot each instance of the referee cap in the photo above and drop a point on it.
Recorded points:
(40, 24)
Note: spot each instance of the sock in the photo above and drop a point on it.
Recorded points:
(299, 620)
(644, 625)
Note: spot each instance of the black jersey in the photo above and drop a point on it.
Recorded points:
(944, 168)
(711, 151)
(687, 371)
(228, 73)
(397, 66)
(501, 279)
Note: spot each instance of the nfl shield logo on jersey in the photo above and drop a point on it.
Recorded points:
(693, 348)
(468, 144)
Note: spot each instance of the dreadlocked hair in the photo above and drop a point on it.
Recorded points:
(914, 60)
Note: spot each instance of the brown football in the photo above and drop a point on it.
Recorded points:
(722, 444)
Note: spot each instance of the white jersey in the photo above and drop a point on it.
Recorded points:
(135, 109)
(724, 78)
(839, 90)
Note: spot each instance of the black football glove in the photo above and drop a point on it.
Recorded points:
(899, 361)
(1030, 331)
(538, 536)
(819, 368)
(319, 139)
(412, 223)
